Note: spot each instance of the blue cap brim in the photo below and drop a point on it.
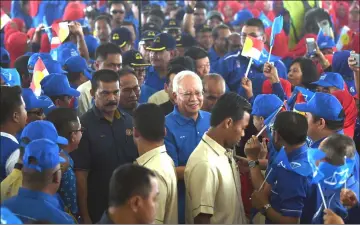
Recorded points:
(303, 107)
(61, 140)
(87, 74)
(72, 92)
(61, 159)
(323, 83)
(235, 23)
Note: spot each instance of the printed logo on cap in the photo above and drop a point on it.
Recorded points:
(138, 56)
(116, 37)
(322, 77)
(172, 23)
(157, 40)
(151, 33)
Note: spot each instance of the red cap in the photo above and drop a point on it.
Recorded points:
(74, 11)
(16, 45)
(267, 88)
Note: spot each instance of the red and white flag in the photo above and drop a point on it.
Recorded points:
(40, 72)
(55, 42)
(62, 30)
(252, 48)
(5, 19)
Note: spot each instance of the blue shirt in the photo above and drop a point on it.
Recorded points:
(146, 92)
(67, 188)
(31, 206)
(182, 137)
(287, 198)
(8, 144)
(213, 57)
(233, 67)
(272, 155)
(153, 80)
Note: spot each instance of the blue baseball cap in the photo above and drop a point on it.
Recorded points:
(331, 79)
(266, 104)
(42, 129)
(325, 42)
(77, 64)
(203, 28)
(53, 66)
(7, 217)
(120, 36)
(171, 24)
(57, 85)
(323, 105)
(42, 154)
(5, 56)
(34, 57)
(148, 35)
(241, 17)
(163, 41)
(31, 101)
(134, 58)
(50, 105)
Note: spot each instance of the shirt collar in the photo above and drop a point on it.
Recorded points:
(212, 51)
(105, 219)
(10, 136)
(151, 69)
(143, 159)
(118, 113)
(316, 144)
(182, 120)
(297, 152)
(39, 195)
(218, 149)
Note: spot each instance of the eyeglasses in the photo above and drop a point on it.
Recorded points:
(82, 129)
(39, 112)
(187, 95)
(117, 11)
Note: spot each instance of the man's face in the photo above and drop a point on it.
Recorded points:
(117, 12)
(147, 206)
(189, 98)
(236, 130)
(112, 62)
(253, 32)
(65, 102)
(234, 43)
(35, 114)
(107, 96)
(327, 90)
(199, 14)
(155, 20)
(203, 67)
(76, 133)
(213, 90)
(140, 72)
(102, 31)
(221, 42)
(129, 92)
(205, 40)
(132, 31)
(160, 58)
(258, 122)
(169, 87)
(20, 115)
(313, 128)
(213, 22)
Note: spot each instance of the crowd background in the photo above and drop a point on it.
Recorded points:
(83, 71)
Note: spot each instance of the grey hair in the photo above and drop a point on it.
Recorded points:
(180, 76)
(336, 147)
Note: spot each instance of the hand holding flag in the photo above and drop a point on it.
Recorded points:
(40, 72)
(252, 48)
(62, 30)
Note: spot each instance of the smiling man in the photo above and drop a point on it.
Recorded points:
(185, 126)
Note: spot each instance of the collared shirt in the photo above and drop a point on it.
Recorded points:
(153, 79)
(213, 185)
(182, 137)
(159, 97)
(11, 184)
(103, 147)
(146, 92)
(85, 98)
(161, 163)
(31, 206)
(288, 198)
(316, 144)
(67, 188)
(213, 57)
(233, 67)
(8, 144)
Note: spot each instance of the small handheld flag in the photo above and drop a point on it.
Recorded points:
(62, 30)
(40, 72)
(276, 28)
(269, 122)
(344, 38)
(252, 48)
(299, 90)
(5, 19)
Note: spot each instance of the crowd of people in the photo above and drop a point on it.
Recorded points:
(148, 112)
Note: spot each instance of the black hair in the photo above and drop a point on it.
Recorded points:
(62, 118)
(292, 127)
(127, 181)
(106, 49)
(174, 69)
(106, 18)
(336, 147)
(73, 76)
(332, 124)
(187, 62)
(103, 75)
(11, 99)
(196, 53)
(158, 12)
(311, 19)
(215, 31)
(150, 129)
(114, 2)
(55, 97)
(21, 65)
(308, 70)
(255, 22)
(229, 105)
(200, 5)
(125, 71)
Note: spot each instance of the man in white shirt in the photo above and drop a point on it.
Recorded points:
(149, 132)
(212, 180)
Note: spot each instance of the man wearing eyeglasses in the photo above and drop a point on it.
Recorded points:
(34, 106)
(202, 62)
(185, 126)
(118, 13)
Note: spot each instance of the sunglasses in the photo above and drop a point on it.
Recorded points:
(39, 112)
(117, 11)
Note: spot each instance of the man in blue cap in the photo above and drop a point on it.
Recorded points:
(146, 41)
(122, 38)
(78, 71)
(240, 18)
(329, 82)
(34, 105)
(5, 58)
(41, 180)
(57, 87)
(34, 57)
(33, 131)
(326, 43)
(173, 28)
(162, 51)
(214, 18)
(184, 42)
(53, 66)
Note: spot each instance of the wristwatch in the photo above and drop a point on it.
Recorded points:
(264, 209)
(253, 163)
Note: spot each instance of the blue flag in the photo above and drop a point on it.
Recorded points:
(269, 122)
(307, 94)
(47, 29)
(277, 26)
(300, 166)
(267, 23)
(11, 76)
(264, 58)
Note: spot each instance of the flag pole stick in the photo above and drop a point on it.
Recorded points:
(322, 195)
(262, 130)
(267, 175)
(248, 67)
(270, 53)
(346, 178)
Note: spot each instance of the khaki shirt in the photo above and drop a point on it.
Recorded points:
(161, 163)
(213, 185)
(159, 97)
(85, 98)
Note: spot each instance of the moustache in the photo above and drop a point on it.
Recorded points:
(111, 104)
